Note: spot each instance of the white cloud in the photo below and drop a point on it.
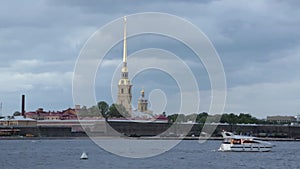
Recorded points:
(278, 67)
(24, 75)
(265, 99)
(16, 82)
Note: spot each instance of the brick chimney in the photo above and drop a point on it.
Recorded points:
(23, 106)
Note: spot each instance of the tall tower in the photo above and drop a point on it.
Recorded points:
(142, 103)
(124, 86)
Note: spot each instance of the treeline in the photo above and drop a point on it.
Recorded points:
(102, 109)
(118, 111)
(231, 118)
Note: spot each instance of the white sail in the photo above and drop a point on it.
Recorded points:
(84, 156)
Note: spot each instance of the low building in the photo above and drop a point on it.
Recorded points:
(281, 119)
(40, 114)
(53, 116)
(18, 121)
(298, 118)
(161, 118)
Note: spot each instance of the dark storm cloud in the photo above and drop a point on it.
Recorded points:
(258, 42)
(118, 7)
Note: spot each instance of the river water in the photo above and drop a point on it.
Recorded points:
(189, 154)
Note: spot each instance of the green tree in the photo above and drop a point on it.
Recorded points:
(201, 118)
(93, 111)
(17, 113)
(177, 117)
(246, 118)
(229, 118)
(191, 117)
(83, 108)
(181, 118)
(103, 108)
(172, 118)
(88, 112)
(116, 110)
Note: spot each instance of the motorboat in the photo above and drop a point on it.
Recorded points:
(242, 143)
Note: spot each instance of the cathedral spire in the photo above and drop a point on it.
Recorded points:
(124, 86)
(124, 68)
(124, 47)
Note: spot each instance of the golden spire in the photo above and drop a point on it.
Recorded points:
(124, 47)
(143, 93)
(124, 68)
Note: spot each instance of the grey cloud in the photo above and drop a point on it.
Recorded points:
(257, 41)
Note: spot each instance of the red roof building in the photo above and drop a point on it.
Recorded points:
(40, 114)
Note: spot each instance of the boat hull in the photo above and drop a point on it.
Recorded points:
(245, 148)
(240, 143)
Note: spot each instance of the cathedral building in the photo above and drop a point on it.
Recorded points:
(124, 85)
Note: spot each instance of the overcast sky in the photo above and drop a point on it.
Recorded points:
(258, 42)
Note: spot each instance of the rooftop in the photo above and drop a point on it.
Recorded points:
(16, 118)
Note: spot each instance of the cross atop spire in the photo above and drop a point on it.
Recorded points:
(124, 47)
(143, 93)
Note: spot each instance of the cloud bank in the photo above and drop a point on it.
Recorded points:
(258, 43)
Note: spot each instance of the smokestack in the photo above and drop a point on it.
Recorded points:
(23, 105)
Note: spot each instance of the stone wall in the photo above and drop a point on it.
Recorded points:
(135, 129)
(163, 129)
(43, 131)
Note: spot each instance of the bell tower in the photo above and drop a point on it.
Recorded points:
(142, 102)
(124, 85)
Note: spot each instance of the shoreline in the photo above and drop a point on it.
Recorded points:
(139, 138)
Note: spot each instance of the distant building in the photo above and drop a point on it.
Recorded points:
(40, 114)
(52, 116)
(18, 121)
(281, 119)
(124, 85)
(142, 112)
(298, 118)
(161, 118)
(142, 103)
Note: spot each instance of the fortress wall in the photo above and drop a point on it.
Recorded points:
(160, 129)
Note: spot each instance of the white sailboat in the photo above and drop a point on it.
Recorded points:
(84, 156)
